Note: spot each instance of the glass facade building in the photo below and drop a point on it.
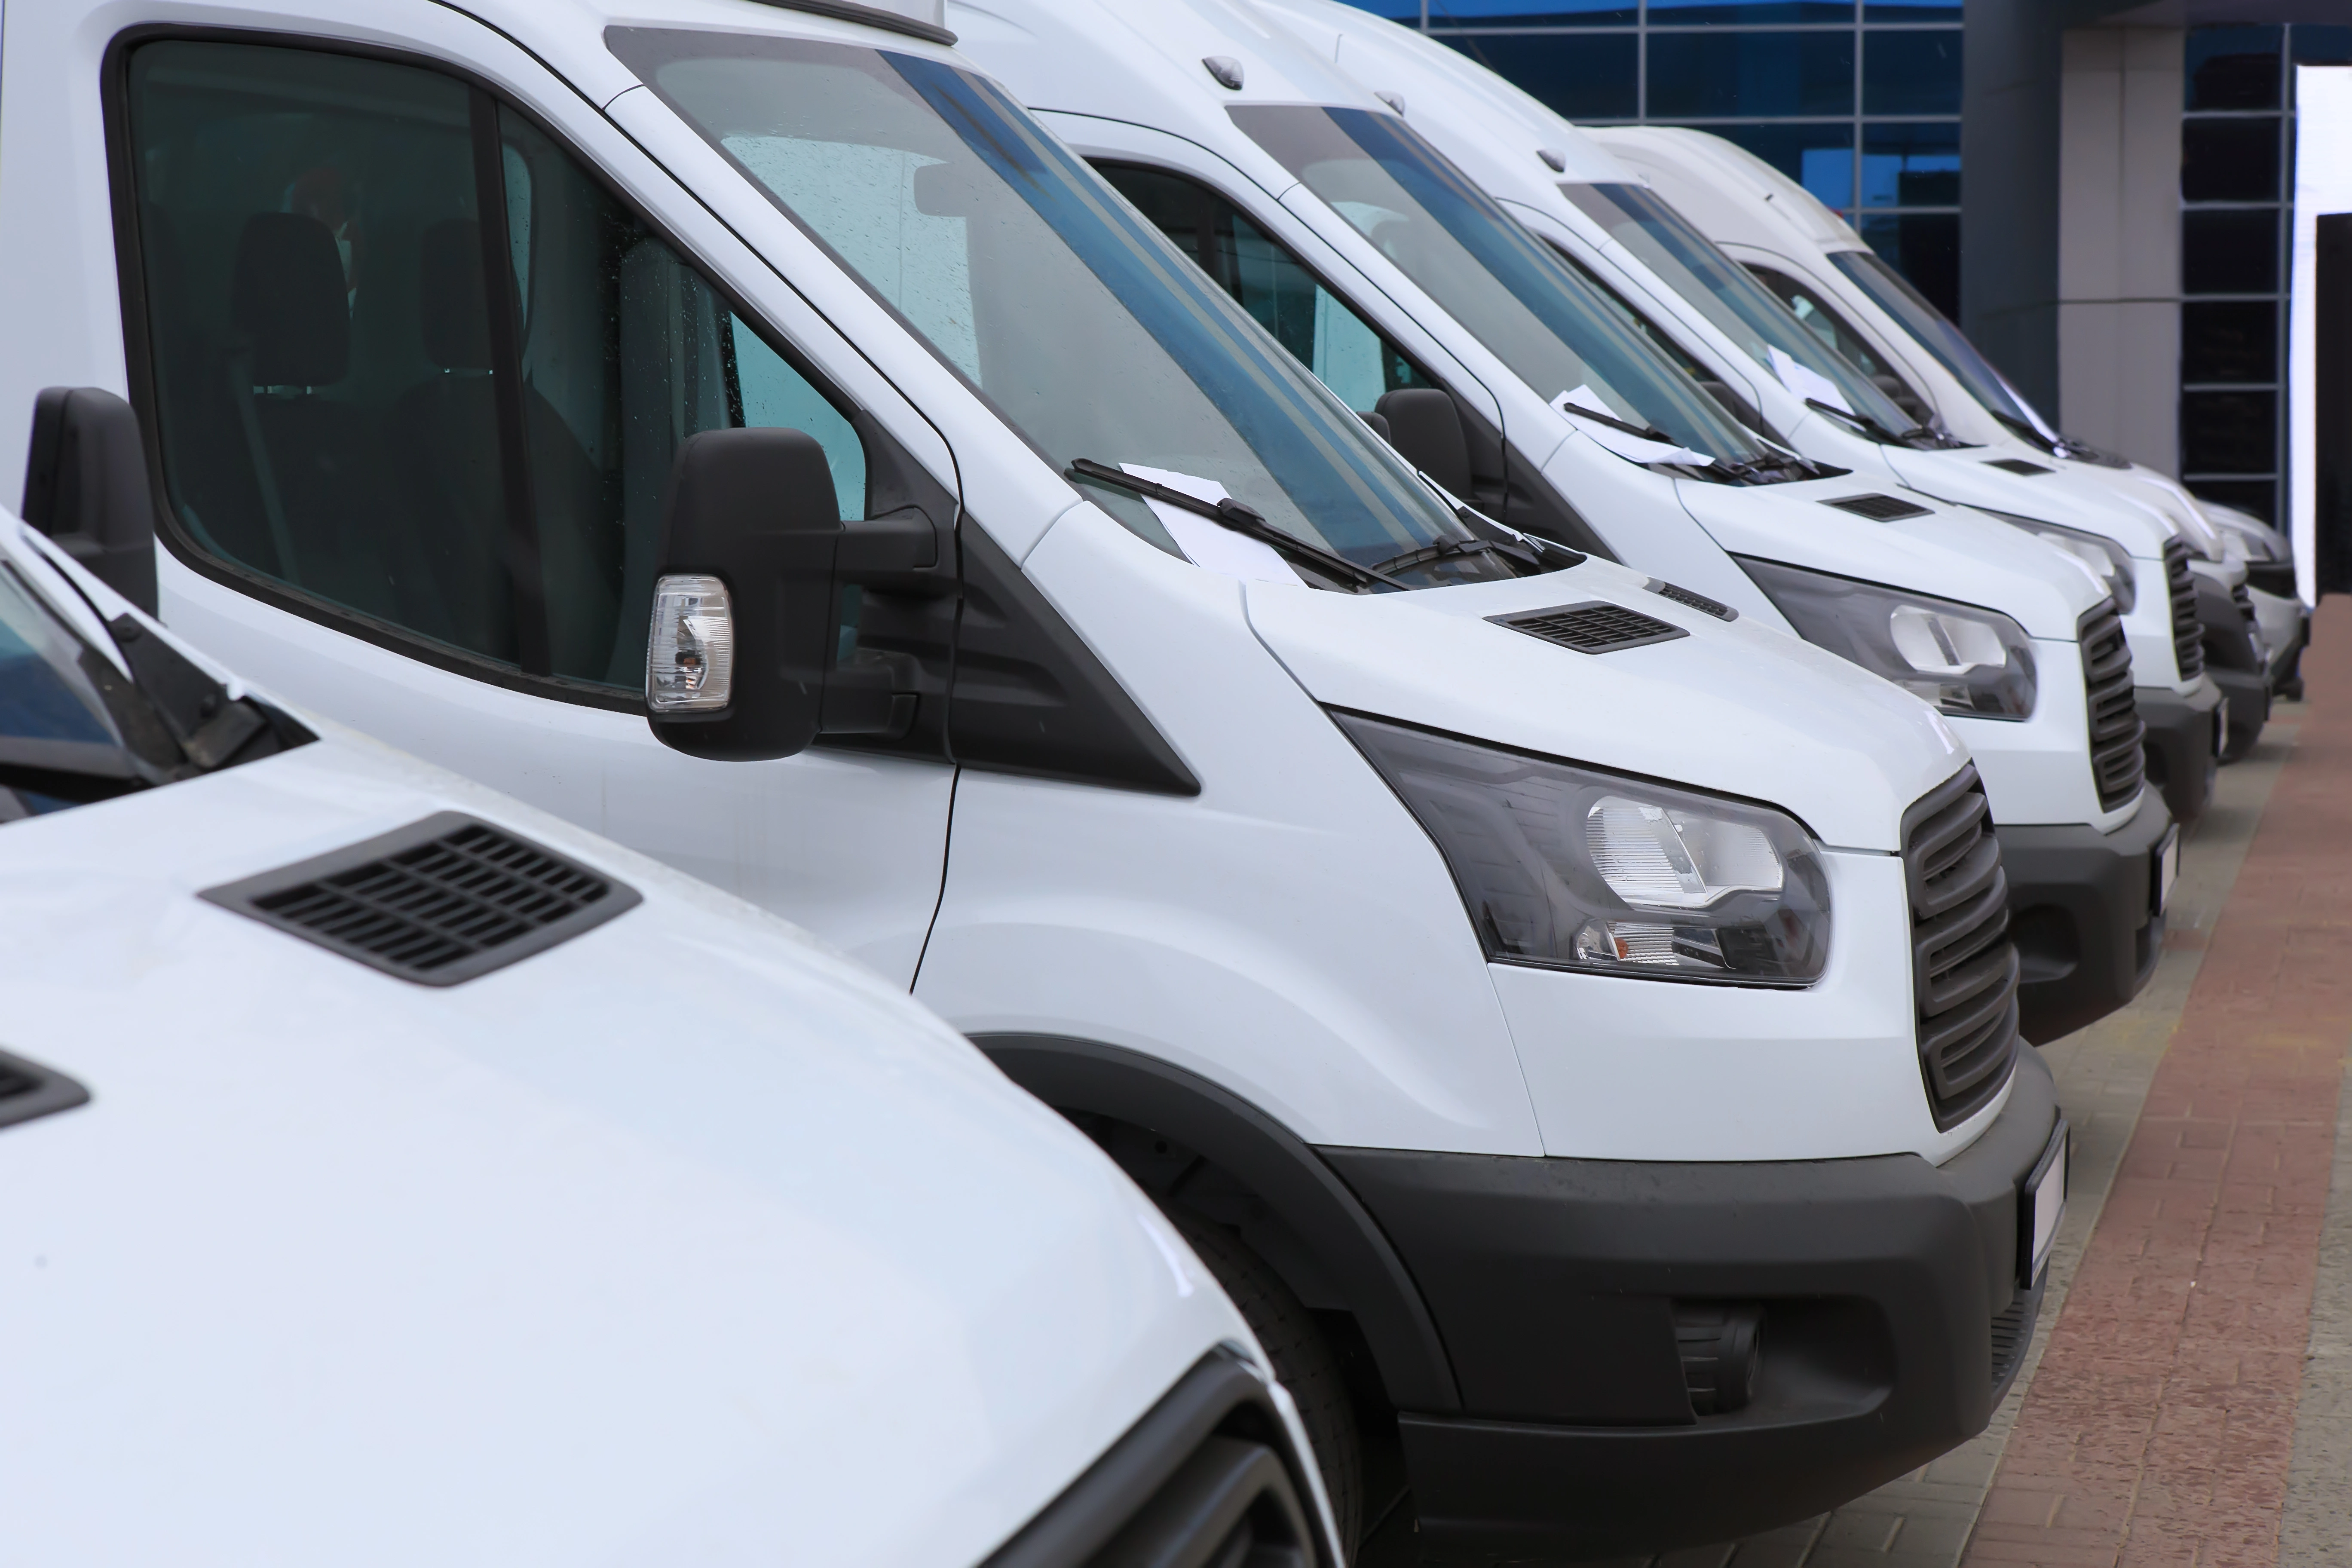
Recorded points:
(1859, 99)
(2237, 195)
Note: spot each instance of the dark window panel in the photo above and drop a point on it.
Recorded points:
(1394, 10)
(1701, 75)
(1911, 166)
(2257, 496)
(2320, 45)
(2229, 432)
(2228, 340)
(2230, 159)
(2229, 252)
(1911, 73)
(1535, 13)
(2233, 67)
(1926, 248)
(1582, 79)
(1672, 13)
(1910, 11)
(1819, 157)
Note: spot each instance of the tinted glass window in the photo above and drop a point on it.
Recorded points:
(448, 409)
(2230, 159)
(1838, 334)
(2229, 432)
(1911, 166)
(1502, 284)
(1345, 353)
(1092, 335)
(1708, 75)
(2226, 252)
(1578, 77)
(2228, 340)
(1722, 291)
(1911, 73)
(1924, 248)
(2233, 67)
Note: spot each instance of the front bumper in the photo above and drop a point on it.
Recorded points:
(1886, 1283)
(2181, 745)
(2081, 908)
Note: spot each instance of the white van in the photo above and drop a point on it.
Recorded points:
(1524, 986)
(399, 1174)
(1838, 285)
(1600, 215)
(2043, 697)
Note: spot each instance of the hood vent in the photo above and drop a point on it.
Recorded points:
(1879, 508)
(1595, 627)
(2017, 466)
(1691, 601)
(29, 1089)
(438, 901)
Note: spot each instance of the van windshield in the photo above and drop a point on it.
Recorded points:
(1088, 332)
(1893, 293)
(1487, 271)
(1731, 299)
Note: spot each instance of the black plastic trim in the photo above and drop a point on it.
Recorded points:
(29, 1090)
(2081, 912)
(2180, 742)
(1219, 1395)
(1884, 1281)
(242, 897)
(1284, 1172)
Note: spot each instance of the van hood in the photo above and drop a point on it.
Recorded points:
(1740, 709)
(2135, 518)
(685, 1239)
(1953, 553)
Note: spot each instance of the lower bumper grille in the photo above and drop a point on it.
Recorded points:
(1964, 966)
(2119, 763)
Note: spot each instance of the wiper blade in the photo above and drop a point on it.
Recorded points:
(1647, 432)
(1242, 519)
(1913, 436)
(1448, 550)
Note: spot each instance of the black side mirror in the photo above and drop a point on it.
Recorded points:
(86, 487)
(749, 656)
(1426, 428)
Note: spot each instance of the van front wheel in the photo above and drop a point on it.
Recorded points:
(1302, 1358)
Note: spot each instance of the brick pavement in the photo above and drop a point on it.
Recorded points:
(2159, 1427)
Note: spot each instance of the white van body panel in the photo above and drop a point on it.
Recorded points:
(684, 1236)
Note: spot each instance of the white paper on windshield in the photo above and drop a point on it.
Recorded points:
(1805, 382)
(1624, 443)
(1211, 545)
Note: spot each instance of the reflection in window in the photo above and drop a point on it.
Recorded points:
(1709, 75)
(1581, 77)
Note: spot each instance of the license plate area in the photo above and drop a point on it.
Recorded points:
(2165, 869)
(2040, 1205)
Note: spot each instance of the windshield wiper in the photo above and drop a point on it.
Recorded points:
(1647, 432)
(1913, 436)
(1242, 519)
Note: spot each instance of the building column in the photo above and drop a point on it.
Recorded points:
(2119, 241)
(2009, 189)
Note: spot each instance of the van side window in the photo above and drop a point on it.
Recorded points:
(344, 408)
(1347, 354)
(1834, 331)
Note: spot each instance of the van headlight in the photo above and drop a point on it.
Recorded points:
(2110, 563)
(1568, 867)
(1969, 662)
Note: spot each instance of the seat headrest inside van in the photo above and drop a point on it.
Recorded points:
(287, 298)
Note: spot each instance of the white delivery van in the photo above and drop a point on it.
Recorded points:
(2043, 699)
(1867, 312)
(1597, 213)
(397, 1173)
(743, 430)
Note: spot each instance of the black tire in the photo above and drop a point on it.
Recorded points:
(1302, 1358)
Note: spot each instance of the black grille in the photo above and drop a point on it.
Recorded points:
(439, 901)
(1878, 509)
(2019, 466)
(1594, 627)
(1963, 965)
(2188, 634)
(1207, 1477)
(2243, 597)
(2119, 763)
(1689, 600)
